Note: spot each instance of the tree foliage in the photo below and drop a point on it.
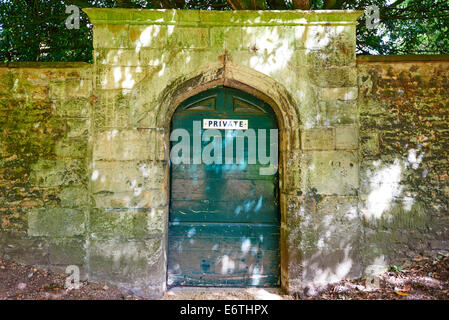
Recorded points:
(35, 30)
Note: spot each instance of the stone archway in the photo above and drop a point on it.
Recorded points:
(235, 76)
(263, 87)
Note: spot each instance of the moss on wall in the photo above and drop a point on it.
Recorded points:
(404, 118)
(35, 175)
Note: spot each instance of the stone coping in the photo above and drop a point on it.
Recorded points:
(221, 18)
(403, 58)
(45, 65)
(360, 59)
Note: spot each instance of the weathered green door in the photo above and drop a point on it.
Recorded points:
(224, 217)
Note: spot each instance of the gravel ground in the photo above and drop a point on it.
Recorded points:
(20, 282)
(424, 278)
(192, 293)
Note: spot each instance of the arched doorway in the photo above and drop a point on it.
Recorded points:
(224, 221)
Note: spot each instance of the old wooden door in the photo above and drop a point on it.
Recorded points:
(224, 218)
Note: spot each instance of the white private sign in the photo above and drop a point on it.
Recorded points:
(226, 124)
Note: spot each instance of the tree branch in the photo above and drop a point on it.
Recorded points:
(412, 18)
(180, 4)
(162, 4)
(247, 4)
(238, 4)
(301, 4)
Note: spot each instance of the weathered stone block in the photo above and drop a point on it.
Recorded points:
(67, 252)
(112, 109)
(196, 38)
(127, 176)
(337, 112)
(143, 108)
(151, 57)
(318, 139)
(138, 265)
(77, 128)
(346, 137)
(78, 88)
(149, 36)
(349, 93)
(188, 38)
(70, 88)
(266, 40)
(337, 224)
(117, 57)
(112, 224)
(370, 143)
(47, 173)
(72, 148)
(321, 267)
(333, 76)
(118, 77)
(339, 207)
(299, 33)
(394, 214)
(333, 57)
(122, 145)
(306, 96)
(74, 196)
(229, 38)
(24, 249)
(295, 209)
(51, 173)
(111, 36)
(122, 261)
(73, 108)
(56, 222)
(57, 90)
(151, 223)
(331, 172)
(330, 36)
(143, 199)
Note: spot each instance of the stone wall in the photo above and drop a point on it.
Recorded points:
(404, 128)
(45, 128)
(302, 63)
(84, 175)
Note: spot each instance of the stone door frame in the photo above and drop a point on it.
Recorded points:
(263, 87)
